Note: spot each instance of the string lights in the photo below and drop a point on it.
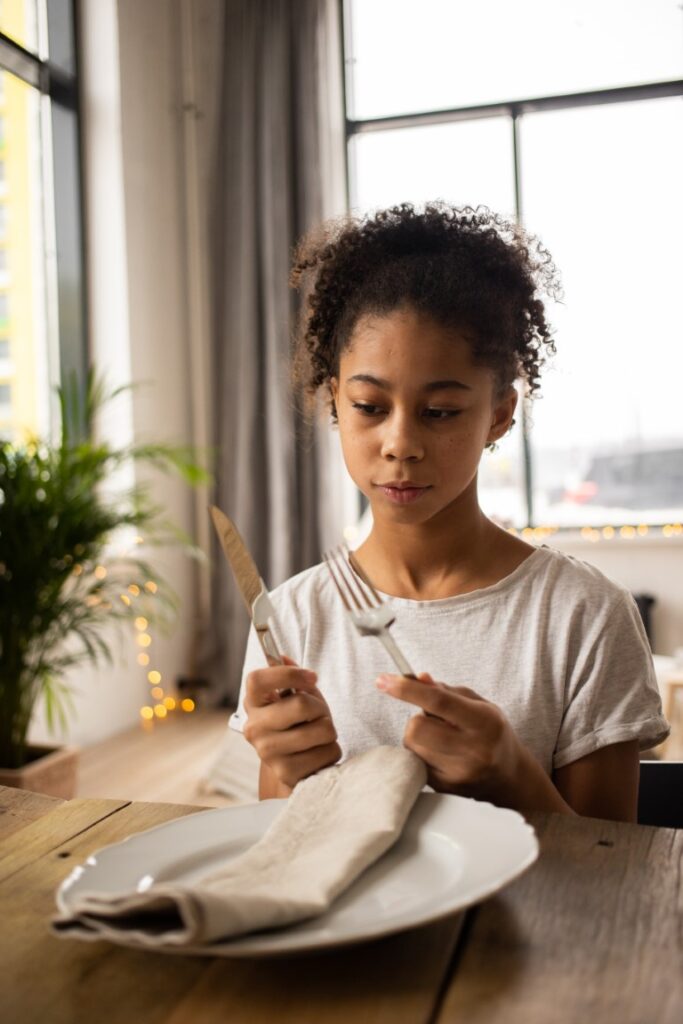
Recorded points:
(604, 533)
(163, 702)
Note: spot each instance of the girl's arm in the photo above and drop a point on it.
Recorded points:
(603, 784)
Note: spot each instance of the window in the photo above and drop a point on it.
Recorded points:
(40, 206)
(579, 135)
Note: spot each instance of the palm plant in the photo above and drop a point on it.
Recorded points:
(69, 564)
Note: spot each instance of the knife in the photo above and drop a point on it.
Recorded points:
(251, 586)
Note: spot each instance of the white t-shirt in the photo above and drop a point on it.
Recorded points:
(559, 647)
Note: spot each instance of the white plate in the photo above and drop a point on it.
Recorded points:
(453, 852)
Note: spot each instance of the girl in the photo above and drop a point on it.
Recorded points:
(537, 687)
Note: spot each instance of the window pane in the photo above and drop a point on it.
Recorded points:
(22, 290)
(469, 162)
(406, 56)
(602, 187)
(19, 21)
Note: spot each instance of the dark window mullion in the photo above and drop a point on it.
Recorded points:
(526, 421)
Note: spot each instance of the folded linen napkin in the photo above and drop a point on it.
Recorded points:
(333, 826)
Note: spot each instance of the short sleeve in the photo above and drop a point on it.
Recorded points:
(612, 693)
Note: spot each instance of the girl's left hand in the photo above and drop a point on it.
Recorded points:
(466, 742)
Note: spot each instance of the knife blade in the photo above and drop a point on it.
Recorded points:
(250, 585)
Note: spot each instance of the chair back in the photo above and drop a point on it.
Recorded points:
(660, 796)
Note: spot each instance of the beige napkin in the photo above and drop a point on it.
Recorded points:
(333, 826)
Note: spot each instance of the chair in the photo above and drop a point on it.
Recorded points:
(660, 796)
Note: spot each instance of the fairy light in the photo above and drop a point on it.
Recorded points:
(141, 622)
(143, 639)
(125, 599)
(150, 587)
(147, 712)
(160, 711)
(143, 659)
(134, 589)
(169, 703)
(157, 692)
(100, 572)
(187, 704)
(77, 570)
(642, 530)
(154, 677)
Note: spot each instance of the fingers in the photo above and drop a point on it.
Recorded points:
(457, 705)
(270, 746)
(264, 684)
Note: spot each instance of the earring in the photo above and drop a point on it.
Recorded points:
(492, 446)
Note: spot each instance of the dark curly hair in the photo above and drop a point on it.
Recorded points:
(463, 267)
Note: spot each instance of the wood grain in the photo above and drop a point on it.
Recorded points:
(594, 931)
(18, 807)
(390, 981)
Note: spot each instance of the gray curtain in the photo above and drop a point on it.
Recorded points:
(279, 171)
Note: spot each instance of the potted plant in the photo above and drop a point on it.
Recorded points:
(69, 566)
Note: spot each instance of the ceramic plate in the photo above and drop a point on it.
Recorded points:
(453, 852)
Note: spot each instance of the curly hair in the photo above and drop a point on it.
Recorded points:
(463, 267)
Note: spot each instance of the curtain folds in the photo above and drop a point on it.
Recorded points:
(279, 171)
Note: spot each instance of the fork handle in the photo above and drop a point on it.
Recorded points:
(396, 655)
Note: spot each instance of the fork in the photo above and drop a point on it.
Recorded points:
(366, 609)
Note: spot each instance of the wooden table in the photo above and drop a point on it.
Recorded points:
(592, 933)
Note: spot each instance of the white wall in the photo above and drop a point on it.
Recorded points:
(144, 315)
(644, 565)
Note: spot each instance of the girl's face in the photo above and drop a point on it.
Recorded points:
(415, 413)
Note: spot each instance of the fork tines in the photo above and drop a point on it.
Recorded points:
(348, 582)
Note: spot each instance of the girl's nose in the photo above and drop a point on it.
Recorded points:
(401, 441)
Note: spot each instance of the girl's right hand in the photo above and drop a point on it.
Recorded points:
(294, 736)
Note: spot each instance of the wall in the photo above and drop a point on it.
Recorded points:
(644, 565)
(143, 318)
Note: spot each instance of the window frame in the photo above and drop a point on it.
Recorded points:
(67, 334)
(514, 110)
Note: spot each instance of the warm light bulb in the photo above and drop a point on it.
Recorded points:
(151, 587)
(154, 677)
(160, 711)
(141, 622)
(157, 692)
(147, 712)
(100, 572)
(187, 704)
(143, 659)
(143, 639)
(169, 703)
(134, 589)
(125, 599)
(643, 529)
(608, 532)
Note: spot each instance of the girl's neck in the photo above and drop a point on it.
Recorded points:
(439, 559)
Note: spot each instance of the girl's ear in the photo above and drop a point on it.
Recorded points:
(503, 413)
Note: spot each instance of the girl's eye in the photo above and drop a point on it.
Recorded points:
(441, 414)
(366, 409)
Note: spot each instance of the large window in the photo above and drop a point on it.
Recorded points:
(41, 275)
(569, 117)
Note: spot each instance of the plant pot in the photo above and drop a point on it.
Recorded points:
(50, 770)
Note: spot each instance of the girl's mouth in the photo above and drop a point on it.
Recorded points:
(403, 495)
